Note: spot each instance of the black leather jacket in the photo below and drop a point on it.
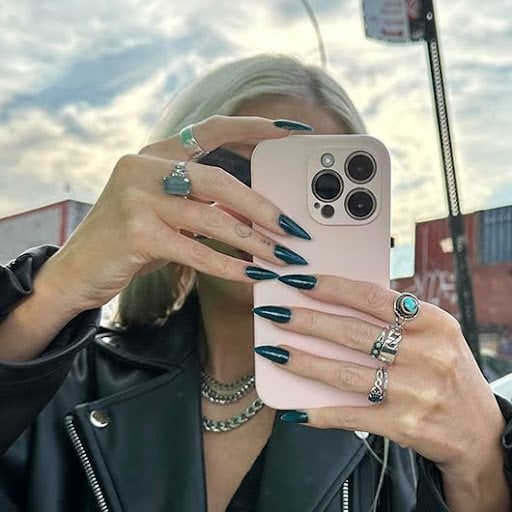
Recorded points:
(112, 421)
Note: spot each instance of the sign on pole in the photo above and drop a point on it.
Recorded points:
(395, 21)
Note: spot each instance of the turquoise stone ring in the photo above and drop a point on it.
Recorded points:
(177, 183)
(406, 307)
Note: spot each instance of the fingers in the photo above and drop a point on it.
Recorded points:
(349, 331)
(339, 374)
(368, 298)
(215, 223)
(185, 251)
(216, 131)
(212, 184)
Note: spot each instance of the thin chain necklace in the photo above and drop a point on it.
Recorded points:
(226, 393)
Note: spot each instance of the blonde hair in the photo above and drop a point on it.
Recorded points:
(150, 299)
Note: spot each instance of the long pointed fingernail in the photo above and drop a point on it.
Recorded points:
(276, 354)
(288, 124)
(260, 274)
(274, 313)
(301, 281)
(292, 228)
(289, 256)
(294, 417)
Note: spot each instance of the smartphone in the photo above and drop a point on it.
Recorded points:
(337, 187)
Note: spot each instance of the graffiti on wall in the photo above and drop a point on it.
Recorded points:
(436, 286)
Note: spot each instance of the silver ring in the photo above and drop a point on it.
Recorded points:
(190, 144)
(385, 347)
(177, 183)
(406, 307)
(380, 386)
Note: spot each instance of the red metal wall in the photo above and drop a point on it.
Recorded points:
(433, 235)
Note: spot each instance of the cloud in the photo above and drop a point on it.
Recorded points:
(85, 82)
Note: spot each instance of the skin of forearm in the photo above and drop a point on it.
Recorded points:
(36, 320)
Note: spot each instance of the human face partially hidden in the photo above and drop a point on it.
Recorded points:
(305, 111)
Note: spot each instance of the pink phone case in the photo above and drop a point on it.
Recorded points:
(283, 171)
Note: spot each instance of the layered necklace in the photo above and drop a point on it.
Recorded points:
(227, 393)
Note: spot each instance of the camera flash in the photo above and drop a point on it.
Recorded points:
(327, 160)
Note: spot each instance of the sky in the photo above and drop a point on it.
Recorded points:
(84, 82)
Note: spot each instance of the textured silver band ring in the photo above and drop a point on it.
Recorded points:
(190, 144)
(380, 386)
(385, 347)
(406, 308)
(177, 183)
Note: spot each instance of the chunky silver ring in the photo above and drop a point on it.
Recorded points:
(380, 386)
(177, 183)
(385, 347)
(190, 144)
(406, 307)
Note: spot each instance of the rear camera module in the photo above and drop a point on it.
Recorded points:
(360, 204)
(360, 167)
(327, 185)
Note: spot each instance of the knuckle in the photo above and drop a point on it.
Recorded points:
(410, 429)
(136, 228)
(213, 218)
(309, 321)
(213, 124)
(375, 296)
(347, 420)
(357, 331)
(223, 267)
(303, 364)
(451, 326)
(197, 255)
(127, 162)
(347, 376)
(215, 179)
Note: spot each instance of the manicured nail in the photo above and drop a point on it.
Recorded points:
(276, 354)
(287, 124)
(260, 274)
(294, 417)
(301, 281)
(289, 256)
(274, 313)
(292, 228)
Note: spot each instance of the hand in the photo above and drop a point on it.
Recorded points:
(135, 228)
(437, 402)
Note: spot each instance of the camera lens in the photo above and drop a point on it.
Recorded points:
(327, 211)
(327, 185)
(360, 204)
(360, 167)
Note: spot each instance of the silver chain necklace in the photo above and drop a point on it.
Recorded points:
(226, 393)
(221, 393)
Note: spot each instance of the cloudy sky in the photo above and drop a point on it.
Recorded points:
(84, 82)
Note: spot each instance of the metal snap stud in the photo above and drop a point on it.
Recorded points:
(99, 419)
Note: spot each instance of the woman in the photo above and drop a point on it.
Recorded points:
(115, 420)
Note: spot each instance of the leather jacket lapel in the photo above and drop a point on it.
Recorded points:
(150, 453)
(305, 466)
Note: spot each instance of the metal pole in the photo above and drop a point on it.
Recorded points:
(455, 219)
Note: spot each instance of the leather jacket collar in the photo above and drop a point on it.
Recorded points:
(156, 424)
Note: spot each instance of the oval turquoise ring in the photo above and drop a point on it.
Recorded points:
(406, 307)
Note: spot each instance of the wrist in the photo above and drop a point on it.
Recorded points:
(478, 482)
(58, 281)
